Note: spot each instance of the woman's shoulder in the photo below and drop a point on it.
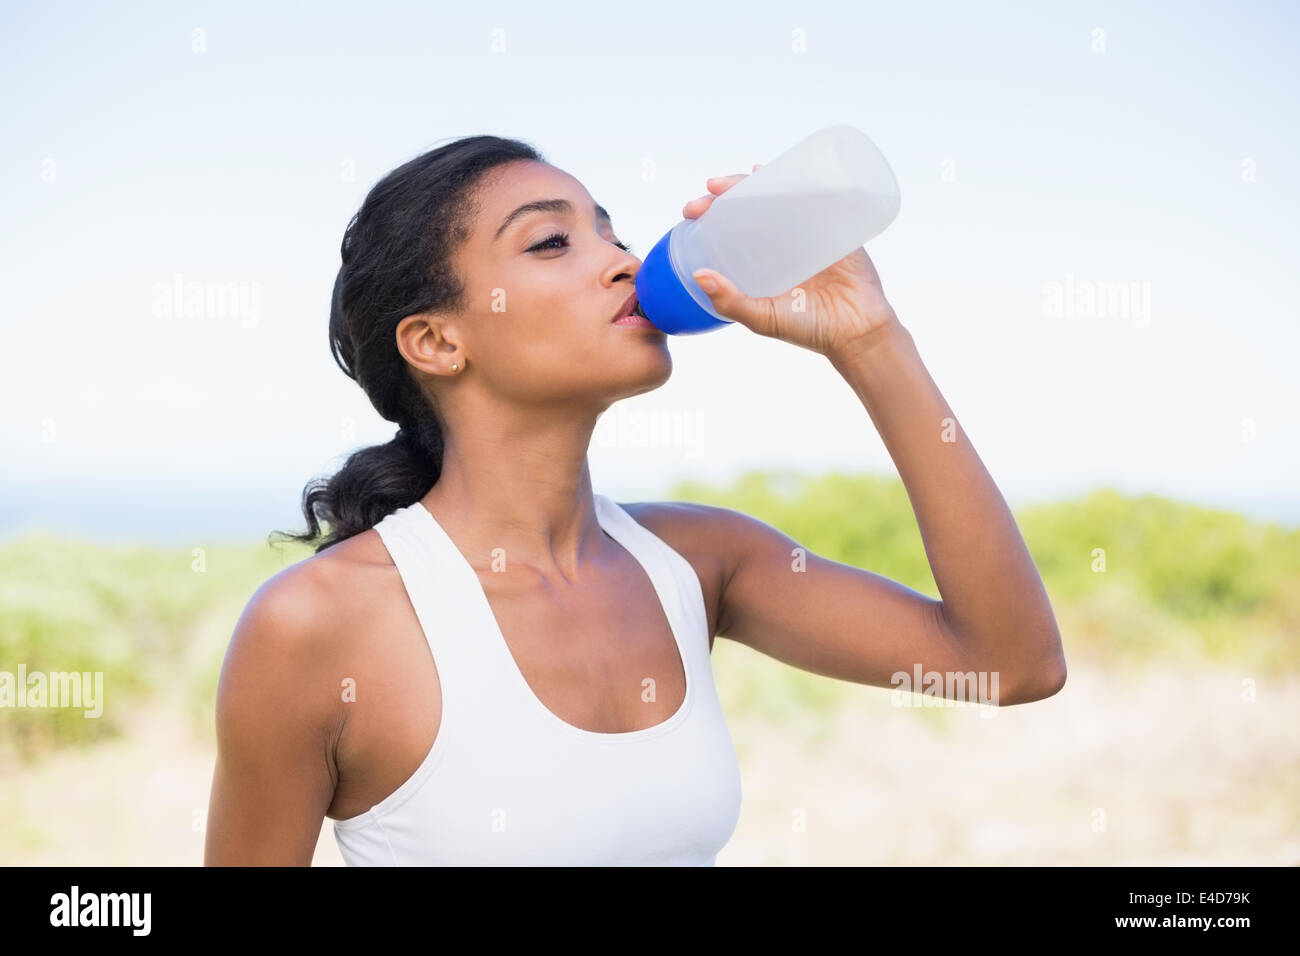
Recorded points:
(306, 608)
(710, 538)
(701, 533)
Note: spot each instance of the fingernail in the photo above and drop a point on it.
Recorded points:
(706, 281)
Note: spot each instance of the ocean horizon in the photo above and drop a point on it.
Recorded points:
(174, 515)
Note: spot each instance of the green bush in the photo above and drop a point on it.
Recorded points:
(129, 613)
(1181, 584)
(1137, 579)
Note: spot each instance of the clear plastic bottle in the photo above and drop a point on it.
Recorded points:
(808, 208)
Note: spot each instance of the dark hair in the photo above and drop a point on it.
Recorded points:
(397, 261)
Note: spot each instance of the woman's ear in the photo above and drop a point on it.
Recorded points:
(429, 341)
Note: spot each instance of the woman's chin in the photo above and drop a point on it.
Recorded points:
(649, 374)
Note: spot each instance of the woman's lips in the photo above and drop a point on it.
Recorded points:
(630, 307)
(636, 320)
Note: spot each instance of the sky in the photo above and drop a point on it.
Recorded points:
(1141, 156)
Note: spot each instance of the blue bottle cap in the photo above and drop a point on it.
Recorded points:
(665, 301)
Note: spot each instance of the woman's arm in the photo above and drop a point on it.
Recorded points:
(275, 715)
(994, 614)
(840, 621)
(994, 604)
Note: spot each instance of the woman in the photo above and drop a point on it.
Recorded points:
(485, 661)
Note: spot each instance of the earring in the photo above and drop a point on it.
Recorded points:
(453, 366)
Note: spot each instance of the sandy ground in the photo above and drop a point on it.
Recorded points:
(1169, 769)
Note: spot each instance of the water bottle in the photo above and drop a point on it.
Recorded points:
(808, 208)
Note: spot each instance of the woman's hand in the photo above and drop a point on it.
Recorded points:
(839, 310)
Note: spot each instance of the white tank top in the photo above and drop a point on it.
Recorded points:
(507, 782)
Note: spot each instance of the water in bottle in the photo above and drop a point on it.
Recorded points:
(803, 211)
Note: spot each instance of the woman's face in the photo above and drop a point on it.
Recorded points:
(542, 287)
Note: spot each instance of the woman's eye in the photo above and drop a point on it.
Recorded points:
(562, 238)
